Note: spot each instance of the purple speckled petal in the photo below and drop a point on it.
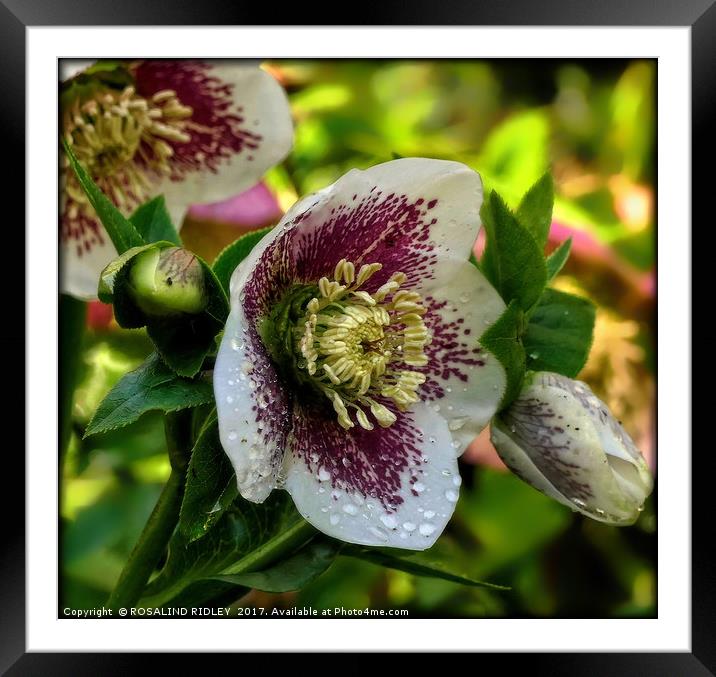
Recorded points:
(393, 486)
(464, 382)
(406, 214)
(240, 127)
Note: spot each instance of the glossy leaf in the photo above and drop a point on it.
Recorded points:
(231, 256)
(559, 334)
(210, 484)
(512, 261)
(502, 339)
(153, 222)
(418, 563)
(153, 386)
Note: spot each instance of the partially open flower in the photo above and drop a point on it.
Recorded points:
(563, 440)
(350, 370)
(192, 131)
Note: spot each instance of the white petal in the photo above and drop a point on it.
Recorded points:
(394, 486)
(406, 214)
(465, 383)
(252, 407)
(266, 111)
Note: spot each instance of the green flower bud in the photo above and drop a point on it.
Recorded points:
(167, 281)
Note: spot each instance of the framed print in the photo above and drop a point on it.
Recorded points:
(359, 328)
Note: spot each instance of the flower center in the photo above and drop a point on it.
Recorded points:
(354, 346)
(117, 134)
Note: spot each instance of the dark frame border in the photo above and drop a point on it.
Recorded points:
(16, 15)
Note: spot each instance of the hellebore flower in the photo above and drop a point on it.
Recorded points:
(563, 440)
(191, 131)
(350, 371)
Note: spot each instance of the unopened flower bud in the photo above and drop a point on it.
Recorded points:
(167, 282)
(563, 440)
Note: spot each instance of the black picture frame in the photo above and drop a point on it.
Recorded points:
(16, 15)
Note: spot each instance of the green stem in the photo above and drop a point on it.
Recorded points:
(72, 321)
(161, 523)
(256, 560)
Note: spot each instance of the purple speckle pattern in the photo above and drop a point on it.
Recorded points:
(371, 463)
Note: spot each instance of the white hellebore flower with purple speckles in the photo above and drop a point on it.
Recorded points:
(350, 371)
(191, 131)
(563, 440)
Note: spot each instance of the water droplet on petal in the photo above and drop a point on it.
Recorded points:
(323, 475)
(429, 514)
(389, 521)
(350, 509)
(409, 526)
(334, 519)
(458, 422)
(232, 435)
(427, 529)
(451, 496)
(419, 487)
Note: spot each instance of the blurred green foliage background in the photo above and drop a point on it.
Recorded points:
(593, 123)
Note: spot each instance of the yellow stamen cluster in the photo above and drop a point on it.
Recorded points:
(356, 346)
(109, 131)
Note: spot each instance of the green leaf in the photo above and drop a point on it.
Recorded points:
(535, 210)
(556, 260)
(418, 563)
(210, 484)
(153, 386)
(232, 255)
(123, 234)
(153, 222)
(292, 573)
(512, 261)
(559, 334)
(502, 339)
(248, 537)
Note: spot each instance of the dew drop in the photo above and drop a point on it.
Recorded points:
(378, 533)
(429, 514)
(457, 480)
(464, 297)
(451, 496)
(457, 422)
(236, 344)
(409, 526)
(232, 435)
(427, 529)
(419, 487)
(389, 521)
(323, 475)
(229, 399)
(334, 519)
(350, 509)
